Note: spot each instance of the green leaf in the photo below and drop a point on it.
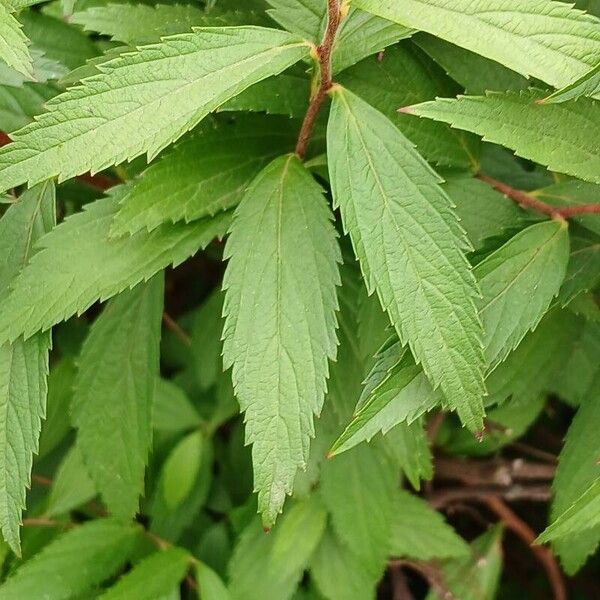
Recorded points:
(548, 40)
(172, 410)
(280, 307)
(583, 270)
(44, 69)
(204, 174)
(419, 271)
(136, 24)
(71, 486)
(23, 364)
(408, 75)
(587, 85)
(94, 266)
(270, 566)
(420, 532)
(210, 585)
(114, 392)
(181, 469)
(153, 578)
(518, 122)
(577, 470)
(360, 34)
(477, 576)
(582, 515)
(73, 563)
(518, 282)
(338, 573)
(358, 489)
(144, 100)
(19, 105)
(13, 43)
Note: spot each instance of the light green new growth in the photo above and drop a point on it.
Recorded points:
(560, 136)
(114, 391)
(545, 39)
(144, 100)
(280, 308)
(94, 266)
(23, 364)
(13, 43)
(411, 248)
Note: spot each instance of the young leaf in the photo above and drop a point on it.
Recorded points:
(114, 391)
(358, 489)
(144, 100)
(410, 246)
(13, 43)
(577, 470)
(420, 532)
(518, 282)
(208, 172)
(153, 578)
(271, 566)
(73, 563)
(23, 364)
(94, 266)
(280, 307)
(516, 121)
(548, 40)
(587, 85)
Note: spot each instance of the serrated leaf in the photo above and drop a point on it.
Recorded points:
(587, 85)
(419, 272)
(280, 304)
(518, 282)
(519, 123)
(545, 39)
(71, 486)
(13, 44)
(181, 469)
(18, 105)
(23, 364)
(73, 563)
(577, 470)
(114, 392)
(94, 266)
(206, 173)
(151, 579)
(358, 489)
(172, 410)
(271, 566)
(210, 585)
(137, 24)
(44, 69)
(583, 270)
(144, 100)
(408, 75)
(360, 34)
(582, 515)
(420, 532)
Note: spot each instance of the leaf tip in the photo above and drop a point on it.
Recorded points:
(407, 110)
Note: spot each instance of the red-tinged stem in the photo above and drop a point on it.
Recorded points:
(324, 52)
(527, 201)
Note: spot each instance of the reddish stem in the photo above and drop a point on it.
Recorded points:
(324, 52)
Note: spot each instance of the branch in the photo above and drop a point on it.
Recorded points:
(324, 51)
(527, 201)
(532, 493)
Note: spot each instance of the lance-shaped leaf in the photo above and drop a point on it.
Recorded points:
(518, 282)
(13, 43)
(23, 364)
(94, 266)
(410, 247)
(280, 323)
(517, 121)
(208, 172)
(114, 391)
(546, 39)
(144, 100)
(73, 563)
(588, 85)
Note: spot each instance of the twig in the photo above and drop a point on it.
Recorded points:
(43, 522)
(400, 589)
(324, 51)
(173, 326)
(430, 572)
(523, 531)
(41, 480)
(532, 493)
(526, 200)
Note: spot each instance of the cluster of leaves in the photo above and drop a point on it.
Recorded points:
(363, 291)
